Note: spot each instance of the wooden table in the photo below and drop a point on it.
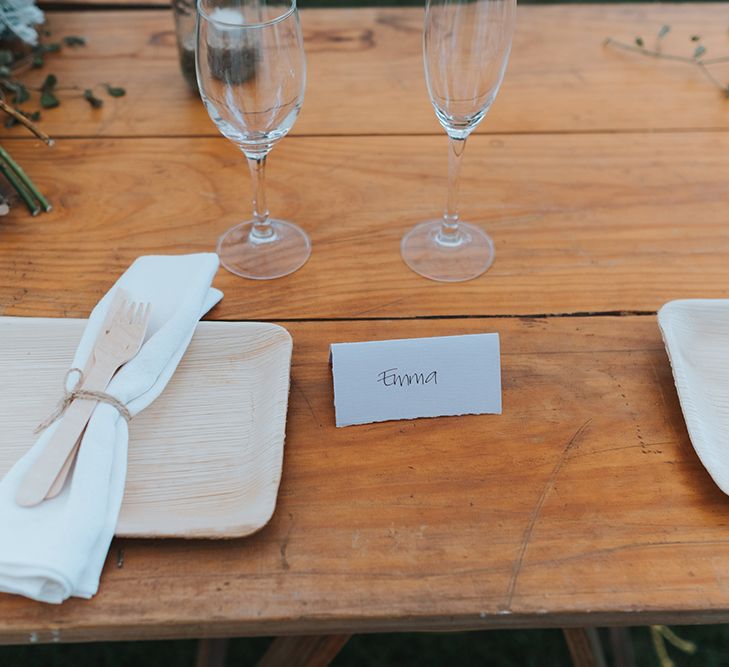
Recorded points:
(602, 176)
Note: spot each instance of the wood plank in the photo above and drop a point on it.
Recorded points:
(584, 646)
(211, 652)
(311, 651)
(583, 504)
(365, 73)
(581, 223)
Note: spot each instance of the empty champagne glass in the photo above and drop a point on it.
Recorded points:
(466, 46)
(251, 72)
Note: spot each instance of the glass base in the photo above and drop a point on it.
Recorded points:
(463, 256)
(285, 251)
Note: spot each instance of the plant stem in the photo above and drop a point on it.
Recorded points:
(4, 106)
(648, 52)
(715, 61)
(707, 73)
(18, 170)
(17, 184)
(701, 64)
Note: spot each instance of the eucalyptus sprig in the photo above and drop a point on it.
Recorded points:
(14, 94)
(49, 97)
(696, 59)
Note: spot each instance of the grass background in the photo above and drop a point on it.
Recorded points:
(513, 648)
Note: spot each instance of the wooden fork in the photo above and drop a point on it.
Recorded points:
(119, 300)
(117, 344)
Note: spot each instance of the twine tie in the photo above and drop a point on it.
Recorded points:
(77, 392)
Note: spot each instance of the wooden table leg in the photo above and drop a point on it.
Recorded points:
(316, 651)
(622, 647)
(584, 646)
(211, 652)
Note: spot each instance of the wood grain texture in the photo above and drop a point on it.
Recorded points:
(584, 646)
(581, 223)
(583, 504)
(365, 73)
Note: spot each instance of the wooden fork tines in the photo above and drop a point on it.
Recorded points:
(118, 343)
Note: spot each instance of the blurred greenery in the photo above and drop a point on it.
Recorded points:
(508, 648)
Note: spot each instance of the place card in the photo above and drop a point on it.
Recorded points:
(416, 377)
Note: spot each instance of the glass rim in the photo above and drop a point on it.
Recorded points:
(259, 24)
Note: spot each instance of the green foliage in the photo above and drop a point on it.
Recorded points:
(94, 101)
(21, 95)
(35, 117)
(493, 648)
(74, 40)
(48, 99)
(115, 91)
(696, 58)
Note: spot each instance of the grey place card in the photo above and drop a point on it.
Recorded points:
(416, 377)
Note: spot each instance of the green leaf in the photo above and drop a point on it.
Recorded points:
(50, 83)
(115, 91)
(21, 95)
(6, 57)
(4, 71)
(37, 61)
(92, 100)
(695, 38)
(700, 51)
(10, 121)
(665, 29)
(48, 100)
(639, 41)
(74, 40)
(53, 47)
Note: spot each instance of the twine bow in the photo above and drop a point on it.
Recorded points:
(76, 392)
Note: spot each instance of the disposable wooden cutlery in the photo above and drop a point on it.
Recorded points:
(118, 343)
(120, 297)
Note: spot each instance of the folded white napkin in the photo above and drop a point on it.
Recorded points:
(57, 549)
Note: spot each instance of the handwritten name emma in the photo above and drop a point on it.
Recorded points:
(391, 378)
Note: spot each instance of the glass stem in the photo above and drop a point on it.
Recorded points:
(262, 232)
(449, 231)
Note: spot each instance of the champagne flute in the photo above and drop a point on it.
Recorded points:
(466, 46)
(251, 72)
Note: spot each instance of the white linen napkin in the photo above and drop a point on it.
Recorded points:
(57, 549)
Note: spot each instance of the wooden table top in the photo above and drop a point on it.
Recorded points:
(602, 177)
